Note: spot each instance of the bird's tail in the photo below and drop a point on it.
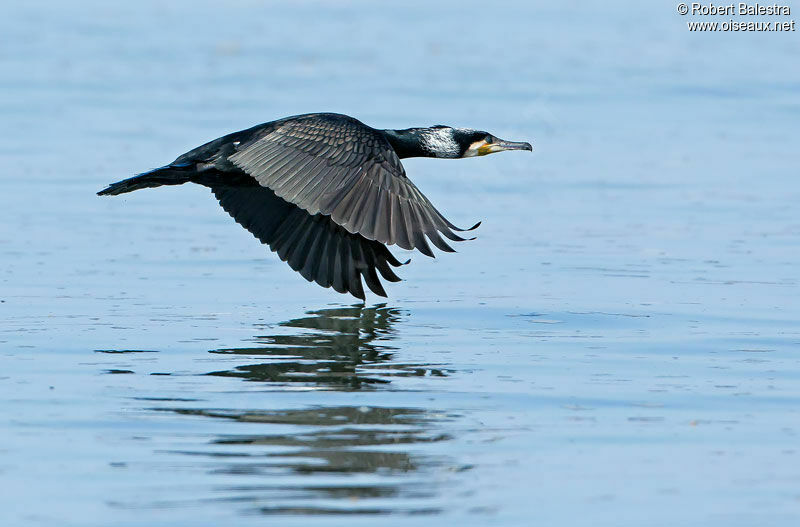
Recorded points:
(175, 174)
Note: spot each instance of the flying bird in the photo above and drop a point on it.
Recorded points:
(327, 192)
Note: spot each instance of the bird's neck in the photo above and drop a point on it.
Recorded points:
(423, 142)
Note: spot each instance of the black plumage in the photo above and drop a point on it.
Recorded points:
(326, 192)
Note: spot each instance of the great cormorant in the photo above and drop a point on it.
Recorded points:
(327, 192)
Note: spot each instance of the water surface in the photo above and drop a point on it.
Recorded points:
(618, 347)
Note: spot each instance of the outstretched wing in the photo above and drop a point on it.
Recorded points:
(338, 167)
(312, 245)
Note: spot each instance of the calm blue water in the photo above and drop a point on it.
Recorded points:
(620, 345)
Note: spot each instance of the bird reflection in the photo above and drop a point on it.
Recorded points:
(319, 459)
(310, 468)
(341, 348)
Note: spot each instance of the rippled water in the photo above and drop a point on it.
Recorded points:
(618, 347)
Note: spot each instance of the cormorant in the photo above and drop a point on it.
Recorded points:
(327, 192)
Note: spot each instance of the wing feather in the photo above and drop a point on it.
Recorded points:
(315, 246)
(406, 220)
(355, 264)
(312, 257)
(339, 267)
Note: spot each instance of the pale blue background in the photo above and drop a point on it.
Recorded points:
(618, 347)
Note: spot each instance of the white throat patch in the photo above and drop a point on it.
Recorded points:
(473, 149)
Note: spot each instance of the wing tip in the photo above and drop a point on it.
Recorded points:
(459, 229)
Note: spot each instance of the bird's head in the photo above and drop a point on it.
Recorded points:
(477, 143)
(451, 142)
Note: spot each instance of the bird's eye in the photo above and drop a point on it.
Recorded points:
(489, 139)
